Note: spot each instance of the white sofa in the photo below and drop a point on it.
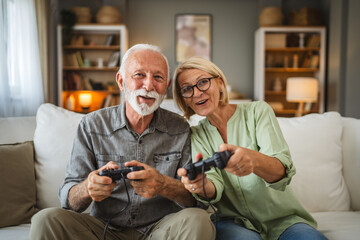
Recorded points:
(324, 147)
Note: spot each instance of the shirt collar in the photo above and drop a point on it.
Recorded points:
(118, 119)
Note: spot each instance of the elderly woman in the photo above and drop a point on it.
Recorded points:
(252, 194)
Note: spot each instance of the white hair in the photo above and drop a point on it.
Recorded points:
(141, 47)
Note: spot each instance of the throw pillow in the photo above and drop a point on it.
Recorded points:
(53, 139)
(315, 145)
(17, 184)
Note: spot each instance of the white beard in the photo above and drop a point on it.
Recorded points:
(143, 109)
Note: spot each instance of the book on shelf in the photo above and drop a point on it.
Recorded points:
(79, 58)
(78, 81)
(311, 60)
(71, 60)
(87, 84)
(313, 41)
(75, 81)
(77, 40)
(68, 82)
(306, 61)
(314, 61)
(107, 101)
(109, 40)
(114, 59)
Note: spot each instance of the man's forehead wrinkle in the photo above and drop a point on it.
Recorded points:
(141, 63)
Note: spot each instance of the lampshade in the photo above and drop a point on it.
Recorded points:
(85, 100)
(301, 89)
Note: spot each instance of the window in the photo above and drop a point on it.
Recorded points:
(21, 90)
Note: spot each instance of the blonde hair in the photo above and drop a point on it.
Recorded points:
(203, 65)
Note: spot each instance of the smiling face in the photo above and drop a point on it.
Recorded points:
(206, 102)
(144, 81)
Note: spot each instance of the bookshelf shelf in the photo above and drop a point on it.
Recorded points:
(103, 69)
(294, 70)
(89, 63)
(87, 47)
(292, 49)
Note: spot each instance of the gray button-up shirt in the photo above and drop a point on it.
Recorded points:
(106, 135)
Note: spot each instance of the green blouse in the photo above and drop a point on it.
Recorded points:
(267, 208)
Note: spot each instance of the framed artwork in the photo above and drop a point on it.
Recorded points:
(193, 36)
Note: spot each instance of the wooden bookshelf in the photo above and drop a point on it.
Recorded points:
(84, 64)
(283, 52)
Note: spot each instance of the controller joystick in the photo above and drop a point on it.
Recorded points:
(117, 174)
(219, 160)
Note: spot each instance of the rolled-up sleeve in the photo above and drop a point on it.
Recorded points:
(81, 163)
(272, 143)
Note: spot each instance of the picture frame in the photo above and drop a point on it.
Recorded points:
(114, 59)
(193, 36)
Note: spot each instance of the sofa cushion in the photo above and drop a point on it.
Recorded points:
(339, 225)
(17, 184)
(351, 155)
(19, 232)
(316, 149)
(17, 129)
(53, 139)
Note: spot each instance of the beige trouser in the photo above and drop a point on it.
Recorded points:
(57, 223)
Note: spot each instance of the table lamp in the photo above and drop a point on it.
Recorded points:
(85, 101)
(301, 90)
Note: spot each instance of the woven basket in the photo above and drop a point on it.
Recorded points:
(83, 14)
(108, 15)
(271, 16)
(306, 17)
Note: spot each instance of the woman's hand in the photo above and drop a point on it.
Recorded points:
(241, 162)
(196, 185)
(244, 161)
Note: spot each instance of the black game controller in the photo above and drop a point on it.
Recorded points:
(219, 160)
(117, 174)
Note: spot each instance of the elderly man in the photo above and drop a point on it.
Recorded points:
(150, 205)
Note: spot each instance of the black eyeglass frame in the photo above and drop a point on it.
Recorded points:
(196, 85)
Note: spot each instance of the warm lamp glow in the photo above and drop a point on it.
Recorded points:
(301, 89)
(85, 100)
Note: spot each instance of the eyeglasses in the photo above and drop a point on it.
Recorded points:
(203, 85)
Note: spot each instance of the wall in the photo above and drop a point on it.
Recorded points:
(352, 82)
(344, 58)
(234, 24)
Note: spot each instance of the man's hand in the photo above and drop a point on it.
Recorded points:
(100, 187)
(150, 182)
(146, 183)
(196, 185)
(93, 188)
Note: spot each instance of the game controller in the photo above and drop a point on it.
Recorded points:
(219, 160)
(117, 174)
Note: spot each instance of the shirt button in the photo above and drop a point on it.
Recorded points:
(132, 216)
(140, 142)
